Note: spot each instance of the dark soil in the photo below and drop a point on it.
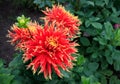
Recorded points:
(8, 15)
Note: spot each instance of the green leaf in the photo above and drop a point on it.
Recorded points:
(86, 69)
(117, 65)
(93, 80)
(87, 23)
(95, 54)
(6, 78)
(80, 60)
(80, 13)
(90, 68)
(92, 31)
(16, 61)
(49, 3)
(113, 80)
(114, 18)
(52, 82)
(93, 19)
(85, 41)
(90, 3)
(106, 2)
(106, 13)
(104, 64)
(116, 40)
(109, 59)
(103, 80)
(21, 80)
(89, 13)
(118, 81)
(90, 49)
(78, 69)
(116, 55)
(4, 70)
(99, 3)
(101, 40)
(97, 25)
(107, 53)
(108, 30)
(65, 74)
(108, 56)
(16, 82)
(42, 4)
(110, 47)
(85, 80)
(107, 72)
(116, 58)
(93, 66)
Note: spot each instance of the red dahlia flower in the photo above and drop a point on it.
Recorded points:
(49, 49)
(21, 35)
(66, 21)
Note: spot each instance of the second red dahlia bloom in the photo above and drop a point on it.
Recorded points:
(65, 19)
(49, 49)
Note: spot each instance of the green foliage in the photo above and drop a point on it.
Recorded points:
(84, 41)
(100, 46)
(47, 3)
(116, 39)
(44, 3)
(5, 76)
(90, 80)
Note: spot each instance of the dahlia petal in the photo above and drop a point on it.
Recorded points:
(58, 71)
(45, 73)
(49, 71)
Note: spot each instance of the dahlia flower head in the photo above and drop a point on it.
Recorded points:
(48, 47)
(19, 36)
(66, 21)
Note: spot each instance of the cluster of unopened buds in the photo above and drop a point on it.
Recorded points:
(49, 46)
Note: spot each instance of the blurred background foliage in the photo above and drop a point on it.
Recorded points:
(98, 61)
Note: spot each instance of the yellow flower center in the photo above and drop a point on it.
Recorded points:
(32, 28)
(52, 43)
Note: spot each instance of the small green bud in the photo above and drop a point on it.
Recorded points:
(22, 21)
